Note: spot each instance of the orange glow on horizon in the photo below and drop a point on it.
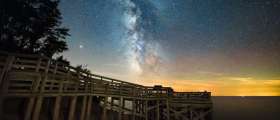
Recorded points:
(229, 87)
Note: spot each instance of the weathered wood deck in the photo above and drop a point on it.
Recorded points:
(38, 80)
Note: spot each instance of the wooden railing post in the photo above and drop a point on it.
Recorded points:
(45, 77)
(87, 84)
(38, 66)
(158, 113)
(112, 103)
(29, 108)
(146, 110)
(133, 91)
(120, 108)
(37, 109)
(104, 113)
(4, 70)
(68, 77)
(36, 83)
(4, 83)
(39, 99)
(89, 105)
(77, 83)
(55, 68)
(84, 106)
(71, 115)
(120, 89)
(133, 109)
(191, 114)
(168, 109)
(106, 89)
(4, 80)
(92, 82)
(35, 86)
(57, 105)
(31, 100)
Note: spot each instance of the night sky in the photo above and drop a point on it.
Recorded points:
(228, 47)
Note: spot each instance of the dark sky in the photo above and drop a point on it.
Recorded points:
(230, 47)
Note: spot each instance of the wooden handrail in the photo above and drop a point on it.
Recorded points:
(45, 65)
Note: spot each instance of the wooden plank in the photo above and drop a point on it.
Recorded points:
(20, 85)
(24, 66)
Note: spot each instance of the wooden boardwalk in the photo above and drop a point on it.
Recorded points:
(65, 92)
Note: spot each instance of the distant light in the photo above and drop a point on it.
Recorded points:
(81, 46)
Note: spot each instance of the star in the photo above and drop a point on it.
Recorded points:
(81, 46)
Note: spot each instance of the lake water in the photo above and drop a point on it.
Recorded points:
(246, 108)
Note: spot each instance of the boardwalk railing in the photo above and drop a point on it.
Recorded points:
(61, 78)
(38, 76)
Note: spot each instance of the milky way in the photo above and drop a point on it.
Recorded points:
(143, 50)
(230, 47)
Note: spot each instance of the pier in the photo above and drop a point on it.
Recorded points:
(35, 87)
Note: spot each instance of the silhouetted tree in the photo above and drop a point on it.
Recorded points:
(63, 60)
(82, 68)
(32, 26)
